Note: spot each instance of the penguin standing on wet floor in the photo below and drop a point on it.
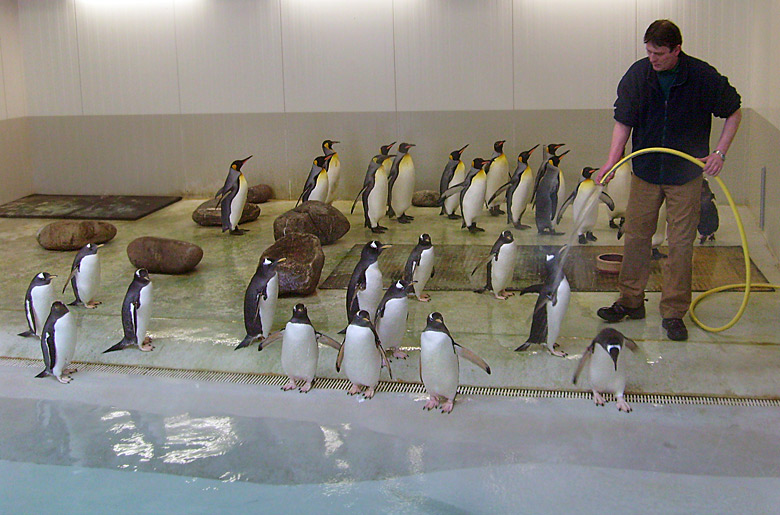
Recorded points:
(58, 343)
(606, 364)
(37, 302)
(334, 169)
(500, 266)
(439, 363)
(400, 185)
(497, 172)
(374, 194)
(519, 190)
(546, 194)
(472, 195)
(136, 313)
(362, 356)
(551, 305)
(419, 266)
(619, 188)
(364, 290)
(391, 316)
(260, 302)
(317, 183)
(586, 206)
(454, 173)
(84, 276)
(708, 221)
(232, 197)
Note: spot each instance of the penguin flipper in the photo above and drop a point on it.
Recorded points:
(583, 361)
(272, 338)
(327, 340)
(628, 342)
(44, 373)
(470, 356)
(246, 342)
(566, 204)
(482, 263)
(119, 345)
(534, 288)
(450, 192)
(27, 333)
(356, 199)
(605, 198)
(498, 192)
(340, 357)
(73, 271)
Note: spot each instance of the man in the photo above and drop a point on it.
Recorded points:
(666, 100)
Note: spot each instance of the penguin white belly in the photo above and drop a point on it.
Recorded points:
(451, 202)
(88, 278)
(473, 199)
(603, 376)
(586, 210)
(503, 268)
(362, 361)
(334, 171)
(496, 178)
(299, 351)
(522, 195)
(660, 228)
(268, 306)
(144, 313)
(556, 313)
(320, 191)
(403, 189)
(439, 365)
(422, 273)
(237, 204)
(42, 298)
(377, 198)
(370, 298)
(392, 326)
(64, 343)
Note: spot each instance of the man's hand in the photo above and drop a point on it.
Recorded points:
(713, 164)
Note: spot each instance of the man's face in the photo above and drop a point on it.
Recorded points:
(661, 57)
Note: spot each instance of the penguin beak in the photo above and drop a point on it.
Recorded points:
(281, 260)
(385, 246)
(614, 352)
(246, 159)
(464, 148)
(532, 150)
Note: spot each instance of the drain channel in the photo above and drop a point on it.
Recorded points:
(396, 387)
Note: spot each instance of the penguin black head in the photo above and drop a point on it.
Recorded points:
(238, 163)
(402, 285)
(323, 161)
(268, 265)
(478, 162)
(58, 309)
(300, 314)
(385, 149)
(435, 322)
(455, 154)
(362, 319)
(372, 249)
(588, 171)
(380, 158)
(507, 236)
(43, 278)
(142, 274)
(404, 147)
(91, 248)
(526, 154)
(328, 144)
(556, 160)
(425, 240)
(498, 146)
(553, 147)
(436, 317)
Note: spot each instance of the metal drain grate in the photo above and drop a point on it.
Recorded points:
(397, 387)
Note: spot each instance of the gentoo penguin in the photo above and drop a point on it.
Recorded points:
(260, 302)
(362, 355)
(136, 313)
(317, 183)
(548, 183)
(334, 169)
(500, 266)
(58, 343)
(374, 194)
(232, 197)
(300, 351)
(365, 285)
(419, 266)
(400, 185)
(37, 302)
(454, 172)
(391, 315)
(439, 365)
(472, 194)
(84, 276)
(551, 305)
(607, 366)
(497, 172)
(618, 188)
(586, 206)
(519, 190)
(709, 221)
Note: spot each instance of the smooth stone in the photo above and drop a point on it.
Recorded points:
(313, 217)
(259, 194)
(209, 214)
(163, 255)
(300, 273)
(74, 234)
(425, 198)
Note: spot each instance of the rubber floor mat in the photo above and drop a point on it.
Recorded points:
(85, 207)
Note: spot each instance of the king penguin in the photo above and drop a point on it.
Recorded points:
(364, 290)
(708, 221)
(317, 183)
(606, 365)
(400, 185)
(519, 190)
(391, 315)
(497, 174)
(454, 173)
(362, 356)
(374, 194)
(618, 188)
(37, 302)
(84, 276)
(500, 266)
(548, 183)
(387, 161)
(472, 194)
(551, 305)
(58, 343)
(334, 169)
(439, 364)
(260, 302)
(136, 313)
(586, 206)
(232, 197)
(419, 266)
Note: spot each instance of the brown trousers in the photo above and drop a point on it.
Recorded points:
(683, 205)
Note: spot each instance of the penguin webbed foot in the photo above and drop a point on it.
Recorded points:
(64, 379)
(582, 239)
(433, 402)
(591, 236)
(453, 216)
(622, 405)
(355, 389)
(503, 294)
(520, 226)
(473, 229)
(399, 354)
(598, 399)
(93, 304)
(378, 229)
(146, 345)
(369, 393)
(405, 219)
(70, 370)
(306, 387)
(496, 211)
(238, 232)
(424, 298)
(556, 352)
(447, 406)
(291, 385)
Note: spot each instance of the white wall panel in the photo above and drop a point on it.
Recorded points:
(15, 100)
(51, 59)
(128, 57)
(3, 110)
(571, 55)
(229, 56)
(453, 55)
(338, 55)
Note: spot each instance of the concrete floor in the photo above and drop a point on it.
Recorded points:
(197, 318)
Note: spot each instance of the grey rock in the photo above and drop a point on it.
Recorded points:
(74, 234)
(300, 273)
(259, 194)
(164, 256)
(313, 217)
(210, 214)
(425, 198)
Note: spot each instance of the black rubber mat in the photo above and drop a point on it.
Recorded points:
(712, 266)
(85, 207)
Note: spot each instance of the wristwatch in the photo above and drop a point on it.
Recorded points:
(720, 154)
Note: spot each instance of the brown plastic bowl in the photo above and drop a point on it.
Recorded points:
(609, 263)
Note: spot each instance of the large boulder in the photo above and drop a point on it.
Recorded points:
(74, 234)
(425, 198)
(313, 217)
(259, 194)
(164, 256)
(210, 214)
(300, 273)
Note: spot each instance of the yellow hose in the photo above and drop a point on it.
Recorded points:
(747, 284)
